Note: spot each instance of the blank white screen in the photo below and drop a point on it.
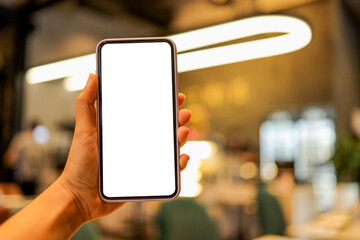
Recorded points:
(137, 120)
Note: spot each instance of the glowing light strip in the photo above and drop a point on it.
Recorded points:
(61, 69)
(297, 35)
(241, 29)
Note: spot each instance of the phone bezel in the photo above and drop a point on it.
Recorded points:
(175, 118)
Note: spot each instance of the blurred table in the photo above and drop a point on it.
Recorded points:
(11, 200)
(274, 237)
(329, 226)
(14, 202)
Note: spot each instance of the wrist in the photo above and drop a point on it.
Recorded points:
(73, 213)
(52, 215)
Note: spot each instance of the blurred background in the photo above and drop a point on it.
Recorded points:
(274, 141)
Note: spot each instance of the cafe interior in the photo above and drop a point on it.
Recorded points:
(273, 86)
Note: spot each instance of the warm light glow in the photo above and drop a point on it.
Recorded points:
(242, 28)
(197, 149)
(75, 82)
(191, 176)
(61, 69)
(269, 171)
(297, 34)
(248, 170)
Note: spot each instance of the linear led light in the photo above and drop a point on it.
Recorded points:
(61, 69)
(296, 35)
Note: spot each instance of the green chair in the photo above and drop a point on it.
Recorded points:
(184, 218)
(87, 231)
(271, 216)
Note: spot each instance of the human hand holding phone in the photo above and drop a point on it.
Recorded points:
(73, 199)
(80, 176)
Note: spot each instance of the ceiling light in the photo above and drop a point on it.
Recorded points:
(296, 35)
(61, 69)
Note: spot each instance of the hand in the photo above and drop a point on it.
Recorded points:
(80, 176)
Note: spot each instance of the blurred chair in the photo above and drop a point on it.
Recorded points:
(184, 218)
(271, 216)
(88, 231)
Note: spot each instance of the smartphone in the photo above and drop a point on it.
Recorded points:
(138, 119)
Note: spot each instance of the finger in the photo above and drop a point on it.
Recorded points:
(184, 116)
(85, 105)
(182, 135)
(184, 159)
(181, 98)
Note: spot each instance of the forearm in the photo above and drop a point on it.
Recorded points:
(52, 215)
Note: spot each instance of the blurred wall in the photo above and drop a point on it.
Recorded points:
(65, 31)
(235, 96)
(346, 64)
(289, 81)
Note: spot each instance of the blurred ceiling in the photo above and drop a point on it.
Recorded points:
(85, 22)
(176, 15)
(353, 7)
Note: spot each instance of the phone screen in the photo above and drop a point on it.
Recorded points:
(138, 119)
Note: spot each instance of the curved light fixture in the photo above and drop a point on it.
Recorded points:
(296, 35)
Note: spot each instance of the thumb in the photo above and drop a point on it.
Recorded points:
(85, 106)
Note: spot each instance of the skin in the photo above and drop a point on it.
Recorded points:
(73, 199)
